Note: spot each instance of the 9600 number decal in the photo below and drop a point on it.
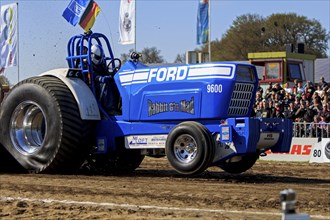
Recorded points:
(214, 88)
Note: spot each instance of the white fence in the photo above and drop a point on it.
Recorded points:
(310, 143)
(303, 149)
(311, 130)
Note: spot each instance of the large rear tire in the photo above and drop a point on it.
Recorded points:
(41, 126)
(120, 162)
(7, 163)
(189, 148)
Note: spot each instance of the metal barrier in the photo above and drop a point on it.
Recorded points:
(312, 130)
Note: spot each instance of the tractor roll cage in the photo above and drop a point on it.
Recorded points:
(76, 57)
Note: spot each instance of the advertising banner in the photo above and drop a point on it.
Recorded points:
(8, 35)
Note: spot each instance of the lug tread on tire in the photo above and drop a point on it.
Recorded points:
(66, 151)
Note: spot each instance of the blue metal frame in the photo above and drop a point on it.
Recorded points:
(75, 55)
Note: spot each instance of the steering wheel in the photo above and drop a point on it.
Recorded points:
(113, 61)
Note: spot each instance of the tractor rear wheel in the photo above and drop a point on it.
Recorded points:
(41, 126)
(122, 161)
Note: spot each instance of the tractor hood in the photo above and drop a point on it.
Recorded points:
(180, 92)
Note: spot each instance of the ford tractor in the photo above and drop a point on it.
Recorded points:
(196, 115)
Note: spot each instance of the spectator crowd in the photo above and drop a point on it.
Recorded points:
(306, 104)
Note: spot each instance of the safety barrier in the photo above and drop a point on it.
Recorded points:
(313, 150)
(310, 143)
(311, 130)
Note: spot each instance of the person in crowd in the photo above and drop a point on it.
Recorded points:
(271, 105)
(282, 93)
(294, 91)
(258, 97)
(316, 106)
(286, 101)
(322, 95)
(260, 89)
(290, 112)
(325, 112)
(300, 88)
(278, 99)
(258, 110)
(291, 97)
(316, 97)
(309, 114)
(326, 100)
(277, 88)
(303, 97)
(296, 101)
(309, 90)
(325, 95)
(324, 127)
(300, 112)
(313, 129)
(323, 83)
(272, 96)
(266, 110)
(278, 113)
(319, 89)
(269, 90)
(295, 85)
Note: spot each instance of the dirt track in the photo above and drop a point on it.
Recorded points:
(155, 191)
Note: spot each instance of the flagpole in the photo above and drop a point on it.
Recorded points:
(209, 9)
(17, 43)
(135, 26)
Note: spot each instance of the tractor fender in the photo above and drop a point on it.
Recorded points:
(84, 97)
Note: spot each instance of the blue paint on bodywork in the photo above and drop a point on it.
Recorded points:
(156, 98)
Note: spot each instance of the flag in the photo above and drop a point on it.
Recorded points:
(127, 22)
(8, 35)
(88, 18)
(75, 10)
(203, 22)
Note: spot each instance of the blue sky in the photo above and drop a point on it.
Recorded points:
(169, 25)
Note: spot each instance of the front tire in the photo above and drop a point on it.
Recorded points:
(41, 126)
(240, 165)
(189, 148)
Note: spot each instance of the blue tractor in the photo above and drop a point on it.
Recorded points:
(196, 115)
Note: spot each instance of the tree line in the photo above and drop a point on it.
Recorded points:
(254, 33)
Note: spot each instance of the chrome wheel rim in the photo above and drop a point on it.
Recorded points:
(28, 128)
(185, 148)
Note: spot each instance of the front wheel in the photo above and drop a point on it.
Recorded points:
(239, 164)
(189, 148)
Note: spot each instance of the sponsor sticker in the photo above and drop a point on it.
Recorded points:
(145, 141)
